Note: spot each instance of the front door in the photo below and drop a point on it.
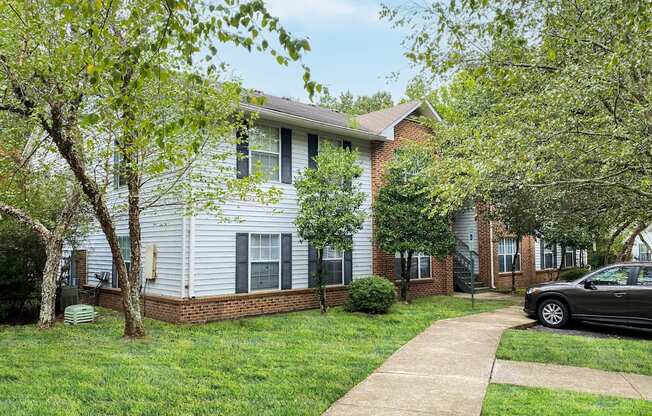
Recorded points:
(610, 295)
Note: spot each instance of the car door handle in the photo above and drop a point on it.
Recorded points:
(620, 294)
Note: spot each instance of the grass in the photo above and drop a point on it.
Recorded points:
(503, 399)
(288, 364)
(611, 354)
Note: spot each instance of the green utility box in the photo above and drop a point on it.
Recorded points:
(79, 314)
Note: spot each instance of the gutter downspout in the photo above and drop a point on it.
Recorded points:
(191, 258)
(184, 253)
(491, 256)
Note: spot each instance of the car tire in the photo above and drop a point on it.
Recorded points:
(553, 313)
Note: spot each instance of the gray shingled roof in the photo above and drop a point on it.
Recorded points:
(374, 123)
(309, 111)
(378, 121)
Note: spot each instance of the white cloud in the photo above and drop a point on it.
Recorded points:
(319, 11)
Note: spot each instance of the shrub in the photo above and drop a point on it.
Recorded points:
(572, 274)
(371, 294)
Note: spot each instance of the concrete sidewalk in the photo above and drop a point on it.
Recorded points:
(444, 370)
(584, 380)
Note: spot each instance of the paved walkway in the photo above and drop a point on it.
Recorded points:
(584, 380)
(445, 370)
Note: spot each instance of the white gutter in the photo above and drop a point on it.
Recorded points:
(307, 123)
(491, 257)
(184, 253)
(191, 258)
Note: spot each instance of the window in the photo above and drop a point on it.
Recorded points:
(643, 252)
(265, 255)
(506, 253)
(120, 178)
(616, 276)
(333, 266)
(644, 276)
(125, 248)
(548, 260)
(265, 150)
(419, 268)
(569, 257)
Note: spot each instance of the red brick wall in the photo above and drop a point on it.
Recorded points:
(216, 308)
(383, 263)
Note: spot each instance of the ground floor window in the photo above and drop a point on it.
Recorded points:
(506, 253)
(548, 258)
(333, 266)
(569, 257)
(124, 242)
(265, 255)
(643, 252)
(419, 267)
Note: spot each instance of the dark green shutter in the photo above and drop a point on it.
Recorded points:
(241, 263)
(242, 148)
(313, 149)
(574, 258)
(348, 266)
(397, 268)
(312, 266)
(347, 145)
(286, 261)
(286, 155)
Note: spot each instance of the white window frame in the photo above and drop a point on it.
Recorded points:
(333, 259)
(547, 249)
(278, 154)
(571, 251)
(520, 265)
(250, 262)
(642, 249)
(419, 256)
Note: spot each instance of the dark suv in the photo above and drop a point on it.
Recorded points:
(616, 294)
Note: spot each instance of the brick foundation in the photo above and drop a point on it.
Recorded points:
(216, 308)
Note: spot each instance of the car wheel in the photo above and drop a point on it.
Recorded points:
(553, 313)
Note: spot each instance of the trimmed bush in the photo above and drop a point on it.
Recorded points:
(572, 274)
(371, 294)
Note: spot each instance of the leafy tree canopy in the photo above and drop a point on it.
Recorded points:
(354, 106)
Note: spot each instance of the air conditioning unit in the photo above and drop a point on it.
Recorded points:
(79, 314)
(149, 262)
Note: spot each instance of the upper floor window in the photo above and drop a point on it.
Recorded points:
(265, 152)
(333, 266)
(506, 254)
(265, 255)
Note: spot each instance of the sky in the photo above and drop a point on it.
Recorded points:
(352, 49)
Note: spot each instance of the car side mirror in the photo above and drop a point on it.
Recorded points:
(588, 284)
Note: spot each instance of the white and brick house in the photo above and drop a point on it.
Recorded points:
(209, 270)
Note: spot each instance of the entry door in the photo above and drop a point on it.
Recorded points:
(611, 294)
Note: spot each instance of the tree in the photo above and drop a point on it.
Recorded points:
(348, 104)
(115, 88)
(403, 223)
(330, 205)
(559, 91)
(31, 191)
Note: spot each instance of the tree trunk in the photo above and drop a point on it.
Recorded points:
(406, 265)
(321, 285)
(626, 252)
(53, 254)
(134, 326)
(514, 259)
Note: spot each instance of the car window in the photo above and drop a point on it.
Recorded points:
(616, 276)
(644, 276)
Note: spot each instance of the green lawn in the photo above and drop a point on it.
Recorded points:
(502, 399)
(289, 364)
(611, 354)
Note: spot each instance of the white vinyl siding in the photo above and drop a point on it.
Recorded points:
(465, 227)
